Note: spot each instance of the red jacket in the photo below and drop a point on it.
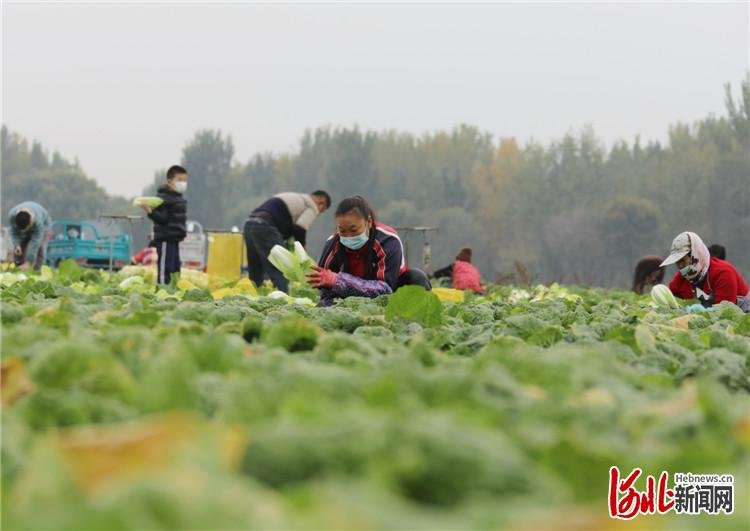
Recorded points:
(722, 283)
(466, 276)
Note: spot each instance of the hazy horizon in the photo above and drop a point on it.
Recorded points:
(124, 86)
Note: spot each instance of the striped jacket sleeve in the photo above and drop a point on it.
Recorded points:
(351, 286)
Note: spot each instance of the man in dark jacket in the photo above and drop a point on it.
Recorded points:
(170, 223)
(283, 216)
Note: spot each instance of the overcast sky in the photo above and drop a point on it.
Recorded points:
(124, 86)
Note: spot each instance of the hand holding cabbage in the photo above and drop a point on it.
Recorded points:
(147, 203)
(322, 278)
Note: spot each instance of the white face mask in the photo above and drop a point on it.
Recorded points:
(180, 186)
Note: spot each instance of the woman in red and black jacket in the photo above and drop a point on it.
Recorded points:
(363, 258)
(703, 277)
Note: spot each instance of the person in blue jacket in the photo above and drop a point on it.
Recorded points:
(30, 227)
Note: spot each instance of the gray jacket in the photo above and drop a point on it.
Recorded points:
(34, 236)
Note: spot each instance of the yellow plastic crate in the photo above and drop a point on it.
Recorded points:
(449, 294)
(226, 255)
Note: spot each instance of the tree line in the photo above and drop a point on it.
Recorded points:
(571, 210)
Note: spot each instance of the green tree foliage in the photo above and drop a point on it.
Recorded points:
(570, 211)
(31, 174)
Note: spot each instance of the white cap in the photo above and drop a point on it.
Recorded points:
(680, 247)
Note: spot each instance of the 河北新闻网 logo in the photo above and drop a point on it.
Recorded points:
(690, 494)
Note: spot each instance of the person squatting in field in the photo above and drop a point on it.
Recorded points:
(462, 272)
(283, 216)
(170, 223)
(30, 227)
(363, 258)
(648, 273)
(709, 279)
(148, 255)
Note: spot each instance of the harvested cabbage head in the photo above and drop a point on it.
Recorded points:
(153, 202)
(294, 265)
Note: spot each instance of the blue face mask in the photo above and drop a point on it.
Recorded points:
(355, 242)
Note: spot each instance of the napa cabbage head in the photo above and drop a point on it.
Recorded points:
(293, 265)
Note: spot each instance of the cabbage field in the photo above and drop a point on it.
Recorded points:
(218, 406)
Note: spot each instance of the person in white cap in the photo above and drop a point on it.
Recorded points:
(703, 277)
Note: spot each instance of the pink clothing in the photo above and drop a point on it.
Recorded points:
(147, 256)
(466, 276)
